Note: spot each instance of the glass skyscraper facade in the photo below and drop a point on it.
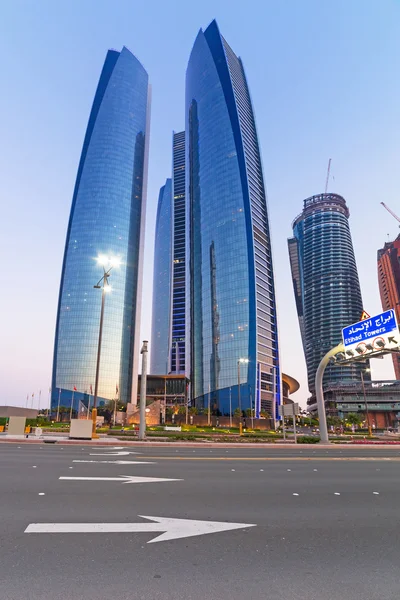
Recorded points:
(178, 345)
(231, 308)
(160, 336)
(107, 219)
(325, 283)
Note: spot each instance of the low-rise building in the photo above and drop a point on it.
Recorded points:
(381, 398)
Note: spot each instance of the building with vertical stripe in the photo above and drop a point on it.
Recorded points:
(231, 305)
(178, 298)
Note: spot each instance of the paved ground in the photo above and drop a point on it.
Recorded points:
(336, 539)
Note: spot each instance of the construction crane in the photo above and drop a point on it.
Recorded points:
(391, 212)
(327, 175)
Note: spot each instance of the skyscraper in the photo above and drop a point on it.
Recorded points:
(325, 282)
(389, 285)
(160, 332)
(178, 337)
(231, 309)
(107, 218)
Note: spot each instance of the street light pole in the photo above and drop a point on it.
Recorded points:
(143, 389)
(366, 405)
(230, 408)
(105, 287)
(209, 406)
(96, 382)
(251, 409)
(240, 403)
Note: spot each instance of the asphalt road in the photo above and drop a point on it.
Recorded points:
(336, 539)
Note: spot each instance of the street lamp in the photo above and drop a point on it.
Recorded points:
(107, 263)
(240, 361)
(365, 401)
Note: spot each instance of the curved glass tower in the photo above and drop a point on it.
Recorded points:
(231, 308)
(107, 218)
(160, 329)
(326, 285)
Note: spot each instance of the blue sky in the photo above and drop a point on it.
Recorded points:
(324, 82)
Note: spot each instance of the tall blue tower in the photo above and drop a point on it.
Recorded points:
(161, 320)
(178, 298)
(231, 308)
(107, 220)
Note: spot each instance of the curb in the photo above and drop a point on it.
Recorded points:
(202, 445)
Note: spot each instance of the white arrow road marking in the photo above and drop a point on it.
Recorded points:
(107, 448)
(114, 453)
(122, 479)
(172, 529)
(116, 462)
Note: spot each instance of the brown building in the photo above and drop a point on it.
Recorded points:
(389, 285)
(381, 397)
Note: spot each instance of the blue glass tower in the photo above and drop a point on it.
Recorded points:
(231, 308)
(107, 218)
(160, 336)
(178, 314)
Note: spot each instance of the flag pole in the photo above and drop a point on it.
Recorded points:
(72, 405)
(115, 403)
(58, 406)
(88, 406)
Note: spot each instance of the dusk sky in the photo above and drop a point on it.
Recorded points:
(324, 80)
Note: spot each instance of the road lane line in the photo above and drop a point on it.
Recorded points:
(277, 458)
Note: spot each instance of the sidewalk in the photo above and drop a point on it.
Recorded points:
(151, 443)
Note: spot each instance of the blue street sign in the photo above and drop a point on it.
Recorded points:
(374, 327)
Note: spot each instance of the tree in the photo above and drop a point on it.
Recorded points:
(333, 421)
(193, 410)
(249, 412)
(181, 410)
(354, 419)
(237, 412)
(264, 414)
(62, 411)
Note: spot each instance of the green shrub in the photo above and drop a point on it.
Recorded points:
(307, 439)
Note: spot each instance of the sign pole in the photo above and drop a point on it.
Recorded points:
(323, 430)
(294, 427)
(143, 390)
